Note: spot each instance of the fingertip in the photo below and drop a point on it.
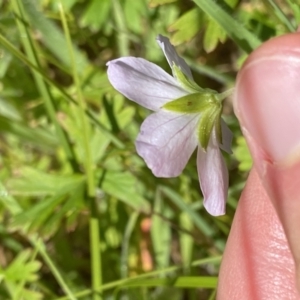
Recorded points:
(266, 99)
(267, 103)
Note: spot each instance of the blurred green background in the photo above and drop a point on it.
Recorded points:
(82, 217)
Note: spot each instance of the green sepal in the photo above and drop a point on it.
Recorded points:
(186, 82)
(193, 103)
(218, 127)
(209, 119)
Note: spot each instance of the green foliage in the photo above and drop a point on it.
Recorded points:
(187, 26)
(161, 231)
(126, 189)
(74, 194)
(96, 14)
(51, 35)
(154, 3)
(18, 275)
(213, 35)
(242, 154)
(243, 38)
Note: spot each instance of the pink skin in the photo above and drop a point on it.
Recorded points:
(262, 256)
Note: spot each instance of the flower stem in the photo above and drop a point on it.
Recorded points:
(82, 108)
(43, 88)
(123, 42)
(94, 230)
(96, 264)
(42, 251)
(220, 97)
(121, 282)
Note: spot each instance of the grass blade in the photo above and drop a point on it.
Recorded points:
(82, 108)
(182, 281)
(117, 283)
(52, 36)
(5, 43)
(122, 35)
(280, 15)
(242, 37)
(41, 85)
(178, 201)
(14, 208)
(94, 228)
(125, 243)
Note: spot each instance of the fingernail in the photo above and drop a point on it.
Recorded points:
(267, 98)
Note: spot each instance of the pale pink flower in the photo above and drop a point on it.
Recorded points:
(168, 138)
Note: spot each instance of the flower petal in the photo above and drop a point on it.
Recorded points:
(213, 176)
(172, 56)
(143, 82)
(166, 141)
(226, 137)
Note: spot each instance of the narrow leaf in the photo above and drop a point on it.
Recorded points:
(187, 26)
(154, 3)
(243, 38)
(183, 282)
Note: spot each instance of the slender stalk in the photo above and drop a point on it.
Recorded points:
(125, 244)
(280, 15)
(94, 229)
(122, 35)
(225, 94)
(236, 31)
(41, 85)
(96, 264)
(213, 295)
(5, 43)
(82, 108)
(41, 248)
(295, 9)
(46, 95)
(14, 208)
(120, 282)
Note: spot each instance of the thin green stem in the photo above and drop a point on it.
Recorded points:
(125, 244)
(224, 95)
(120, 282)
(280, 15)
(236, 31)
(41, 248)
(96, 268)
(14, 208)
(41, 85)
(122, 35)
(213, 295)
(96, 264)
(296, 10)
(82, 108)
(5, 43)
(210, 72)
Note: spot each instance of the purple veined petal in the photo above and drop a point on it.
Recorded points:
(227, 136)
(172, 56)
(143, 82)
(213, 175)
(166, 141)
